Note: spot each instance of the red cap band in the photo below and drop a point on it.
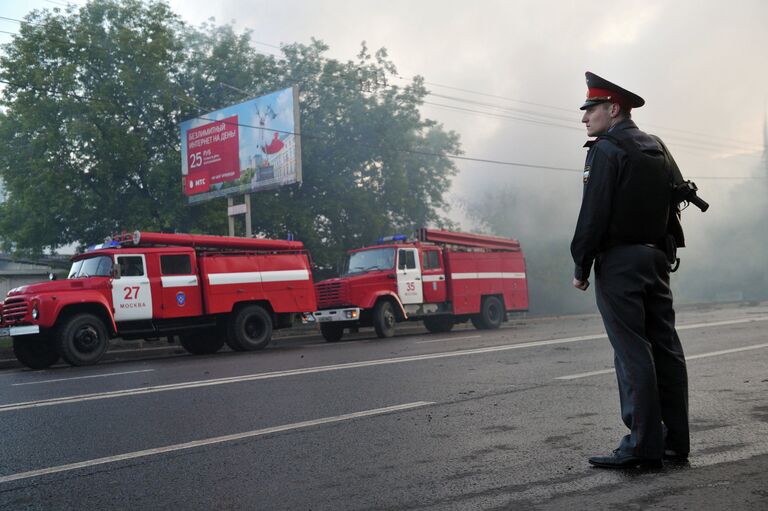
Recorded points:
(609, 95)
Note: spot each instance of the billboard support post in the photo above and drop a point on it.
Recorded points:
(248, 228)
(231, 215)
(239, 209)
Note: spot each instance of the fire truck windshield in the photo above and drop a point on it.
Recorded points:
(368, 260)
(99, 266)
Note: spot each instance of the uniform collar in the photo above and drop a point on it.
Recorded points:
(626, 124)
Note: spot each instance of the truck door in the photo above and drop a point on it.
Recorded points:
(409, 276)
(180, 286)
(433, 276)
(131, 294)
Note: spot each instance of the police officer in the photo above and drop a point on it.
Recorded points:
(623, 227)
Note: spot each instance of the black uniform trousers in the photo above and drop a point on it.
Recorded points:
(635, 301)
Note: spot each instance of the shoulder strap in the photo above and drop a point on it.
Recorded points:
(677, 176)
(618, 138)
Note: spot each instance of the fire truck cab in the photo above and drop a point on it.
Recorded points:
(207, 290)
(441, 277)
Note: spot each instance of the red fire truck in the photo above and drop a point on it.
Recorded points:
(207, 290)
(441, 278)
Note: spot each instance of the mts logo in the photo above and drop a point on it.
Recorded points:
(197, 184)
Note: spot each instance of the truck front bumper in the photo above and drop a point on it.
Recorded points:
(13, 331)
(346, 314)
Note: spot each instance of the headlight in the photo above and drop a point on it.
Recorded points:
(352, 314)
(35, 311)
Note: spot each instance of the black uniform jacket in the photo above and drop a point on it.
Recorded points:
(602, 172)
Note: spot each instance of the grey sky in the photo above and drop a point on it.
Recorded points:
(700, 65)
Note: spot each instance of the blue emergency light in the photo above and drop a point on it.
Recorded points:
(395, 238)
(106, 244)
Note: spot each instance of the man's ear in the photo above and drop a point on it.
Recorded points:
(615, 109)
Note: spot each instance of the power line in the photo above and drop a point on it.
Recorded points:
(499, 116)
(455, 108)
(500, 107)
(693, 145)
(571, 110)
(443, 155)
(496, 106)
(703, 145)
(404, 151)
(494, 96)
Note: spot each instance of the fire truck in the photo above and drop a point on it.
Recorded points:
(441, 277)
(207, 290)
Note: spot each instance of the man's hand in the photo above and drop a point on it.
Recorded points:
(580, 284)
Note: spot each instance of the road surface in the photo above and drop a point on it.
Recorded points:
(471, 419)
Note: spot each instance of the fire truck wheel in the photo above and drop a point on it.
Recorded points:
(491, 314)
(384, 319)
(202, 343)
(438, 324)
(82, 339)
(331, 332)
(232, 343)
(251, 328)
(35, 351)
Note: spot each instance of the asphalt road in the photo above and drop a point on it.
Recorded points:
(467, 420)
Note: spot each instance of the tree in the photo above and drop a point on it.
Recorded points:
(371, 164)
(94, 95)
(89, 131)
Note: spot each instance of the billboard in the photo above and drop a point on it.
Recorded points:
(242, 148)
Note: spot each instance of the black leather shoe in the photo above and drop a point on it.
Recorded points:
(675, 456)
(618, 460)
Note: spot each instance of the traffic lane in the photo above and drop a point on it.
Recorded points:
(119, 355)
(477, 452)
(700, 337)
(728, 408)
(164, 418)
(703, 341)
(243, 406)
(517, 326)
(570, 358)
(729, 450)
(206, 381)
(277, 357)
(567, 358)
(250, 473)
(520, 322)
(472, 439)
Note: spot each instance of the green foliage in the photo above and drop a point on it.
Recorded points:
(94, 97)
(369, 161)
(89, 131)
